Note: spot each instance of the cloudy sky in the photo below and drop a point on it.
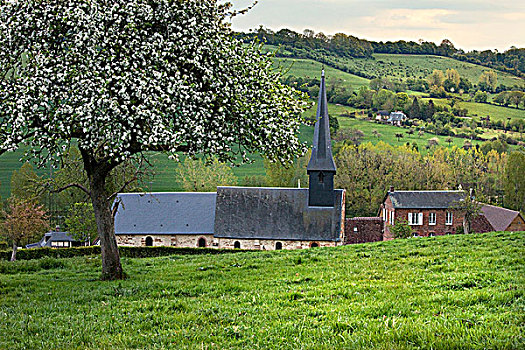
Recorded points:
(469, 24)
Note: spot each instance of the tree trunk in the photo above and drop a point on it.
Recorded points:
(13, 254)
(466, 226)
(111, 267)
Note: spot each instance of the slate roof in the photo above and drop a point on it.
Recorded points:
(166, 213)
(500, 218)
(275, 213)
(425, 199)
(397, 116)
(322, 159)
(52, 236)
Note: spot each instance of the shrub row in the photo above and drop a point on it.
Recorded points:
(130, 252)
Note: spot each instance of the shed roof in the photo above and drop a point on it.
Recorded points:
(425, 199)
(275, 213)
(166, 213)
(500, 218)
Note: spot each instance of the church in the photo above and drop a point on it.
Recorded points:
(264, 218)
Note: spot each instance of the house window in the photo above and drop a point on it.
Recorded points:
(237, 245)
(432, 218)
(415, 218)
(355, 229)
(384, 214)
(391, 218)
(448, 220)
(278, 246)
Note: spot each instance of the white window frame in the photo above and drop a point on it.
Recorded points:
(449, 218)
(430, 217)
(415, 219)
(392, 218)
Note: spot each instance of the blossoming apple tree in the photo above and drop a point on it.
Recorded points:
(124, 77)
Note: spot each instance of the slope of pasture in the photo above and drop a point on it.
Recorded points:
(312, 69)
(448, 292)
(420, 66)
(477, 110)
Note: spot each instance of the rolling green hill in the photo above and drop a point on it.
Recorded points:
(448, 292)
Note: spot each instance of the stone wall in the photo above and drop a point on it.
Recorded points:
(190, 241)
(363, 229)
(267, 244)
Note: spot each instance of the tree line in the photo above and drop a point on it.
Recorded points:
(511, 61)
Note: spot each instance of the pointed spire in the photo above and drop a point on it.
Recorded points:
(322, 159)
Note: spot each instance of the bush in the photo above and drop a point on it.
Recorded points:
(130, 252)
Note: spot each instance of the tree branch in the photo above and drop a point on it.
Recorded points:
(114, 194)
(77, 185)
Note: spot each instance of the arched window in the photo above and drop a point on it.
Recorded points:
(278, 246)
(314, 245)
(201, 243)
(237, 245)
(431, 234)
(149, 241)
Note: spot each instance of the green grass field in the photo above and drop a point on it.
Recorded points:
(451, 292)
(420, 66)
(312, 69)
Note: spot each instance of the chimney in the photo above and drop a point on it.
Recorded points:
(392, 189)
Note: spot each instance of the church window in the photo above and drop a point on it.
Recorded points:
(237, 245)
(321, 177)
(201, 243)
(149, 241)
(314, 245)
(278, 246)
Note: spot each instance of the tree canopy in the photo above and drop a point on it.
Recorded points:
(130, 76)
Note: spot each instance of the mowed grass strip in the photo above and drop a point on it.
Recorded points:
(452, 292)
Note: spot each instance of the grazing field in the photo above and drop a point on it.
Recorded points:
(477, 110)
(312, 69)
(402, 66)
(420, 66)
(450, 292)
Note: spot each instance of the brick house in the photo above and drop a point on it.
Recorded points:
(427, 212)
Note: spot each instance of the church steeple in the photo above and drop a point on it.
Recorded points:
(321, 167)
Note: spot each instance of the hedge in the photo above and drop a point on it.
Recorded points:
(129, 252)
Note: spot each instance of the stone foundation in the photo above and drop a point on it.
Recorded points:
(192, 241)
(189, 241)
(266, 244)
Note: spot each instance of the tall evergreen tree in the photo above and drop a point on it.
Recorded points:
(414, 111)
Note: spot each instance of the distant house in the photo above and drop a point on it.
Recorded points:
(382, 116)
(502, 219)
(55, 239)
(427, 212)
(430, 213)
(396, 118)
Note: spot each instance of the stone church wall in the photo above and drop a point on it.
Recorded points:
(190, 241)
(266, 244)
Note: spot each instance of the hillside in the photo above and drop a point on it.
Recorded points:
(464, 291)
(165, 178)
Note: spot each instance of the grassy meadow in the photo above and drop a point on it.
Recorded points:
(449, 292)
(312, 69)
